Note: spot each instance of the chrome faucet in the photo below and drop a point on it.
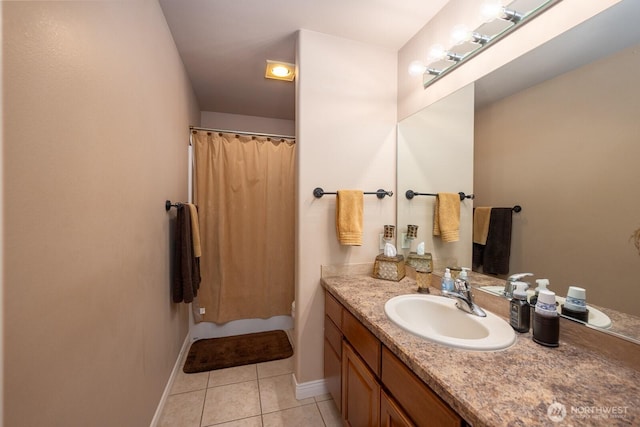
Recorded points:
(510, 286)
(465, 298)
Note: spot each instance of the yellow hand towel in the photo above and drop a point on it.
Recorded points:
(481, 217)
(446, 218)
(195, 230)
(349, 207)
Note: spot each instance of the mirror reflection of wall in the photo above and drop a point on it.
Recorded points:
(435, 154)
(567, 150)
(568, 157)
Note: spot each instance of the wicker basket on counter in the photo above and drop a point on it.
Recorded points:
(389, 268)
(420, 262)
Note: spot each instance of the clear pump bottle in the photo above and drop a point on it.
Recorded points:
(447, 281)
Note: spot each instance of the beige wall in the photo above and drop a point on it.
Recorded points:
(345, 119)
(96, 106)
(239, 122)
(411, 96)
(571, 160)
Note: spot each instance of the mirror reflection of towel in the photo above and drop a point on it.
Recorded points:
(349, 207)
(481, 218)
(494, 256)
(446, 217)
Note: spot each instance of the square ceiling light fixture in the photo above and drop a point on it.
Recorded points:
(279, 70)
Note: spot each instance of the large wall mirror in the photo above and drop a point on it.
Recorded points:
(557, 132)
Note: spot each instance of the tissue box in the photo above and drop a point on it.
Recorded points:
(420, 262)
(389, 268)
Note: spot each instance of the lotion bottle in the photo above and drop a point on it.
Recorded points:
(462, 282)
(542, 285)
(447, 281)
(519, 311)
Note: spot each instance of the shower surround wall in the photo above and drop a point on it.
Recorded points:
(95, 139)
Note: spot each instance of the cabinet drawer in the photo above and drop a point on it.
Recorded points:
(419, 402)
(362, 340)
(333, 336)
(333, 309)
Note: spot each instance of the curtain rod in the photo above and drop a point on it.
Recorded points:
(243, 132)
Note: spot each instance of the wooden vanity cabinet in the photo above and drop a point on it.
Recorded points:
(373, 387)
(360, 391)
(333, 348)
(391, 415)
(420, 403)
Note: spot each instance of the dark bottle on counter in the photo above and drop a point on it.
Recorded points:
(519, 310)
(546, 322)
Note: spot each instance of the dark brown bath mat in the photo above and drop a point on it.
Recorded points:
(226, 352)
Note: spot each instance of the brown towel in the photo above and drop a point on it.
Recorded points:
(349, 207)
(481, 217)
(186, 277)
(497, 252)
(446, 218)
(195, 230)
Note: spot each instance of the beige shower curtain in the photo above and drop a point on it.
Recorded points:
(244, 189)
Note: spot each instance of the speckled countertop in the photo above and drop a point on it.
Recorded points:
(511, 387)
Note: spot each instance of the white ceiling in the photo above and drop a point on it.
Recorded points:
(224, 44)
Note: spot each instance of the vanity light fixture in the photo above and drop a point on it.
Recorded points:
(500, 19)
(279, 70)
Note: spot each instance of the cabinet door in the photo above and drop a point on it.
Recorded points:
(390, 414)
(360, 391)
(332, 361)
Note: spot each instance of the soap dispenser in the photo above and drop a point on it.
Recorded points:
(519, 309)
(462, 282)
(546, 322)
(447, 281)
(542, 285)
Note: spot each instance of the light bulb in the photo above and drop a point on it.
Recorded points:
(436, 53)
(280, 71)
(461, 34)
(417, 68)
(491, 10)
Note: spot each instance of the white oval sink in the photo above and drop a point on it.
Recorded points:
(596, 317)
(438, 319)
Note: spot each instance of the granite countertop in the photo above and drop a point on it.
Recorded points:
(512, 387)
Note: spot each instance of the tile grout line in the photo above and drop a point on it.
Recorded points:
(259, 396)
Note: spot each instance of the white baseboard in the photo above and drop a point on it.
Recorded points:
(167, 389)
(309, 389)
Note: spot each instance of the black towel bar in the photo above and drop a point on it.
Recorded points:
(381, 194)
(516, 208)
(410, 194)
(168, 205)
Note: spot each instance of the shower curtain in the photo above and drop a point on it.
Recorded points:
(244, 189)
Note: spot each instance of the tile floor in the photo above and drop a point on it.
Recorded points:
(259, 395)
